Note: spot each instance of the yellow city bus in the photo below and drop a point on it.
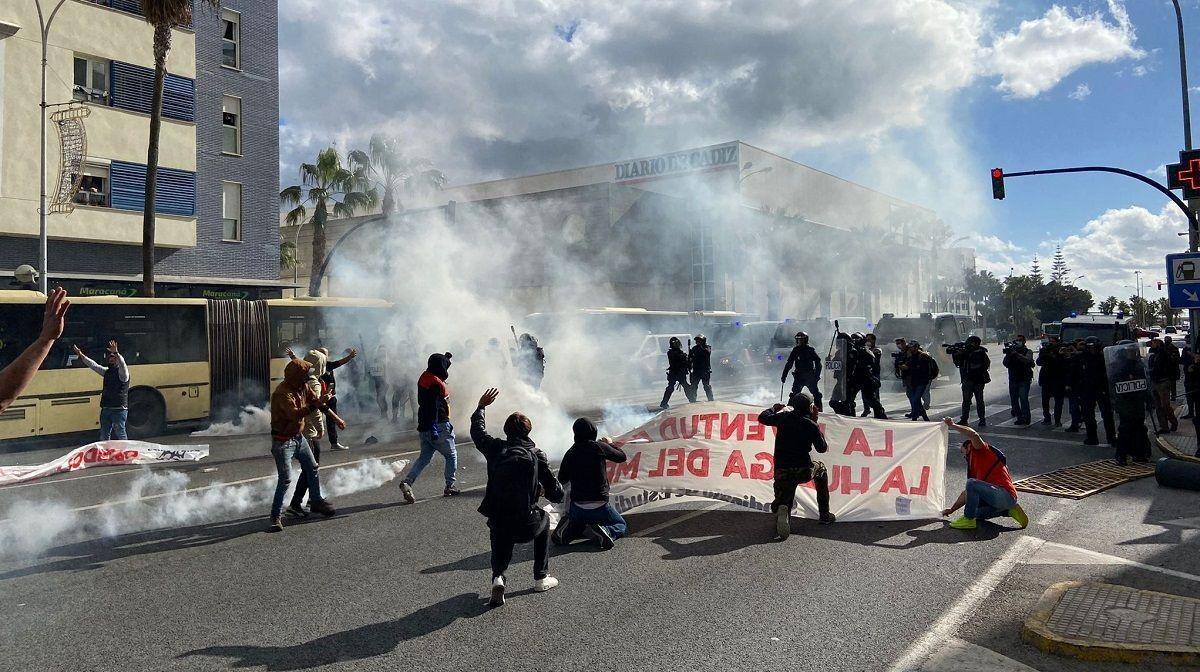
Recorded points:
(188, 359)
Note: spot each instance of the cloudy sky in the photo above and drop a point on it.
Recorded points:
(918, 98)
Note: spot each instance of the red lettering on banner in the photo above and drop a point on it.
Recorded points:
(697, 462)
(627, 469)
(735, 465)
(923, 488)
(640, 436)
(675, 458)
(756, 430)
(895, 480)
(658, 471)
(857, 443)
(708, 419)
(845, 482)
(668, 430)
(683, 427)
(760, 472)
(131, 455)
(89, 455)
(887, 445)
(75, 460)
(733, 424)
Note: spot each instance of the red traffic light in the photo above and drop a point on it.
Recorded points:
(998, 184)
(997, 173)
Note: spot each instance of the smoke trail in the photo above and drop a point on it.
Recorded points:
(161, 499)
(253, 420)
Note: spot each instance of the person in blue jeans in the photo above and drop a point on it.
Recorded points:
(433, 426)
(114, 394)
(1018, 359)
(291, 403)
(919, 370)
(989, 492)
(584, 469)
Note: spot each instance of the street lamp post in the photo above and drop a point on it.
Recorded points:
(44, 272)
(1193, 204)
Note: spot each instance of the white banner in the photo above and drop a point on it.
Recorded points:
(105, 454)
(878, 469)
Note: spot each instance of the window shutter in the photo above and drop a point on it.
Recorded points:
(133, 89)
(131, 6)
(176, 189)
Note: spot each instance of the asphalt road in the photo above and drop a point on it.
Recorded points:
(698, 585)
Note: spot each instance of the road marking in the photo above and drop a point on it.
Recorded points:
(675, 521)
(1022, 437)
(1103, 558)
(14, 486)
(944, 628)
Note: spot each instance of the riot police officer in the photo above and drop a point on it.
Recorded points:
(677, 370)
(841, 399)
(864, 374)
(700, 357)
(1130, 390)
(807, 372)
(973, 364)
(1093, 393)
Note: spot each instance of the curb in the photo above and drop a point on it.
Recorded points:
(1037, 633)
(1171, 451)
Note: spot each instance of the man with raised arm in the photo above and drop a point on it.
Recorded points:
(989, 492)
(114, 395)
(16, 376)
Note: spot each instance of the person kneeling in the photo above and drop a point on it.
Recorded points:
(517, 474)
(583, 468)
(798, 434)
(989, 492)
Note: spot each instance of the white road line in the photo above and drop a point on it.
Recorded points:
(1021, 437)
(1118, 560)
(64, 480)
(944, 628)
(675, 521)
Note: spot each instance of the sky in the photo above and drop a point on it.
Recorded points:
(916, 98)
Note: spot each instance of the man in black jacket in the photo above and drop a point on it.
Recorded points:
(583, 469)
(1018, 359)
(797, 435)
(677, 370)
(700, 357)
(518, 474)
(864, 372)
(973, 364)
(807, 372)
(1051, 378)
(433, 426)
(1093, 393)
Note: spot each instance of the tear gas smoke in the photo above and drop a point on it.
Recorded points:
(252, 420)
(160, 499)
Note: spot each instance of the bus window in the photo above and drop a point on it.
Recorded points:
(145, 334)
(18, 330)
(291, 328)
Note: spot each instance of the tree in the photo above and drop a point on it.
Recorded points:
(385, 165)
(1035, 271)
(1142, 309)
(1108, 305)
(1124, 308)
(163, 15)
(1058, 267)
(327, 186)
(289, 256)
(1163, 309)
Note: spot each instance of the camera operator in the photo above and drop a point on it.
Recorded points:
(1051, 379)
(807, 372)
(864, 373)
(973, 363)
(919, 370)
(1019, 361)
(1093, 392)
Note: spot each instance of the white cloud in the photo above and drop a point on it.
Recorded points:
(1082, 91)
(1139, 71)
(1160, 172)
(1040, 53)
(1118, 242)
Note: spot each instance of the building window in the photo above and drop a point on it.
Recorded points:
(231, 39)
(231, 208)
(91, 79)
(231, 125)
(93, 188)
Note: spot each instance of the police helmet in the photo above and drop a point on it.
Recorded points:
(856, 336)
(974, 339)
(801, 335)
(675, 342)
(1091, 340)
(700, 338)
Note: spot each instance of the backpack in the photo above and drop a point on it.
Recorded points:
(513, 481)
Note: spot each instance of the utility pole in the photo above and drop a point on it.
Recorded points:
(1193, 204)
(43, 270)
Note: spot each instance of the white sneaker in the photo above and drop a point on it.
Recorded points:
(497, 592)
(544, 584)
(339, 446)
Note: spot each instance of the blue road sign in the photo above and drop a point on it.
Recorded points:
(1183, 280)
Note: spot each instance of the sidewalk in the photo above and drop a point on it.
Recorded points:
(1180, 444)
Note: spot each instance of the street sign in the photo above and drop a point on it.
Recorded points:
(1183, 280)
(1185, 175)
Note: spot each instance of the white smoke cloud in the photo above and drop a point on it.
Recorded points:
(251, 420)
(161, 499)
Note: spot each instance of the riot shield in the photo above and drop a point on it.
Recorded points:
(1127, 378)
(837, 367)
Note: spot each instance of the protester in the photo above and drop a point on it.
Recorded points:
(19, 372)
(1018, 359)
(919, 370)
(796, 437)
(433, 426)
(329, 381)
(989, 491)
(291, 402)
(583, 470)
(114, 394)
(318, 423)
(517, 475)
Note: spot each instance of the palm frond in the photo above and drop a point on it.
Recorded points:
(296, 215)
(292, 195)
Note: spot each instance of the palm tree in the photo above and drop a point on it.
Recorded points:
(387, 167)
(325, 185)
(163, 15)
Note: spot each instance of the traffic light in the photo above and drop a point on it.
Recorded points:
(998, 184)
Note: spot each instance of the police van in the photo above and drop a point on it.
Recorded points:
(1110, 329)
(931, 330)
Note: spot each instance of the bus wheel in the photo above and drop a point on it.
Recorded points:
(147, 414)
